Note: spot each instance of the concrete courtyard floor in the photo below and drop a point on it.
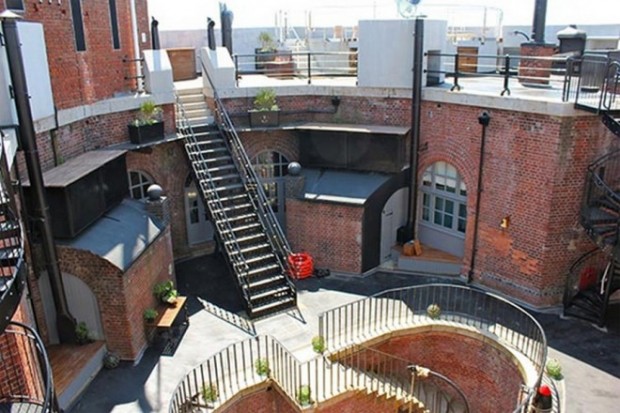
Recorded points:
(590, 357)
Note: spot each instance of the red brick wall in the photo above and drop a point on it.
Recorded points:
(352, 109)
(168, 166)
(98, 72)
(487, 376)
(264, 399)
(122, 298)
(285, 142)
(20, 372)
(534, 172)
(331, 233)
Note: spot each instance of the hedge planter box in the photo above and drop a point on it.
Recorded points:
(146, 133)
(264, 118)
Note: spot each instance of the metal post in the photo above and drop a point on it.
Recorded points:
(540, 17)
(309, 68)
(416, 115)
(41, 214)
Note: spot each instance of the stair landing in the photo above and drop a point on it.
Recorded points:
(73, 368)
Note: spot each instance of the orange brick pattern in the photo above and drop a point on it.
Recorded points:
(488, 377)
(331, 233)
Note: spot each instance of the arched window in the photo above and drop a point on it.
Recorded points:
(138, 184)
(444, 198)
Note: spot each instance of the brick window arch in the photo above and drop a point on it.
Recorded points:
(139, 182)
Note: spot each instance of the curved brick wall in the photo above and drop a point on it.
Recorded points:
(487, 375)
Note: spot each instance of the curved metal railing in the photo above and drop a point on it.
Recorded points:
(584, 271)
(29, 370)
(251, 181)
(602, 177)
(12, 271)
(396, 309)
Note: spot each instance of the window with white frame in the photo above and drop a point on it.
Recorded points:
(444, 198)
(139, 182)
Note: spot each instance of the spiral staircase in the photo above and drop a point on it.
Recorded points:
(25, 373)
(247, 230)
(595, 276)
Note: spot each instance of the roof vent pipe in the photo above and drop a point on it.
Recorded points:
(540, 18)
(210, 33)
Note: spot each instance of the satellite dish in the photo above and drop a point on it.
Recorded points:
(407, 8)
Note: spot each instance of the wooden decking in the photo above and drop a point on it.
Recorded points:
(431, 254)
(68, 361)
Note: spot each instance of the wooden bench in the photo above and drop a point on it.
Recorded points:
(168, 319)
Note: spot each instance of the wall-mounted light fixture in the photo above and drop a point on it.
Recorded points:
(505, 223)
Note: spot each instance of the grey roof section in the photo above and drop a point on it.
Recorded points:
(341, 186)
(121, 235)
(74, 169)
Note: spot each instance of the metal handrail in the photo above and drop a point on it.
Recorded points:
(599, 178)
(40, 390)
(212, 197)
(253, 185)
(574, 273)
(404, 308)
(612, 83)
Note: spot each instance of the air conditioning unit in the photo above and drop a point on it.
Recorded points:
(16, 6)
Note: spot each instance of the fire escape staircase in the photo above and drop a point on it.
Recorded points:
(29, 387)
(248, 232)
(595, 276)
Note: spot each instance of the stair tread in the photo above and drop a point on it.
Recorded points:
(243, 227)
(269, 292)
(246, 238)
(252, 248)
(226, 187)
(264, 268)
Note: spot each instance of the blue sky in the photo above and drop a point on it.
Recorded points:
(192, 14)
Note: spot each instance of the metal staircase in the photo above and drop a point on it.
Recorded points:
(248, 232)
(12, 266)
(596, 275)
(25, 374)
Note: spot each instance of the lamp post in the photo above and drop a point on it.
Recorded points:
(40, 213)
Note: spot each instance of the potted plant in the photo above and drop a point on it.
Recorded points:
(318, 344)
(303, 395)
(82, 334)
(209, 393)
(264, 53)
(165, 292)
(262, 367)
(266, 111)
(150, 314)
(148, 126)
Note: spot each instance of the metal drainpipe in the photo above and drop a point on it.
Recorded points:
(136, 45)
(484, 120)
(540, 18)
(65, 322)
(416, 108)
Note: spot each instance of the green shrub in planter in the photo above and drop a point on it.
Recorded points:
(262, 367)
(150, 314)
(165, 292)
(82, 334)
(209, 392)
(318, 344)
(553, 368)
(303, 395)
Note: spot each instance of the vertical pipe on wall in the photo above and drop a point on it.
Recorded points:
(136, 46)
(484, 119)
(416, 108)
(41, 214)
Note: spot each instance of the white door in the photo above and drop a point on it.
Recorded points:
(82, 305)
(199, 228)
(393, 216)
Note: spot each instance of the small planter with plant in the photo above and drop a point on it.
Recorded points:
(210, 393)
(266, 52)
(433, 311)
(266, 111)
(304, 396)
(150, 314)
(82, 334)
(148, 126)
(262, 367)
(165, 292)
(318, 344)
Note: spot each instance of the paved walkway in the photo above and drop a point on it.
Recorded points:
(590, 358)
